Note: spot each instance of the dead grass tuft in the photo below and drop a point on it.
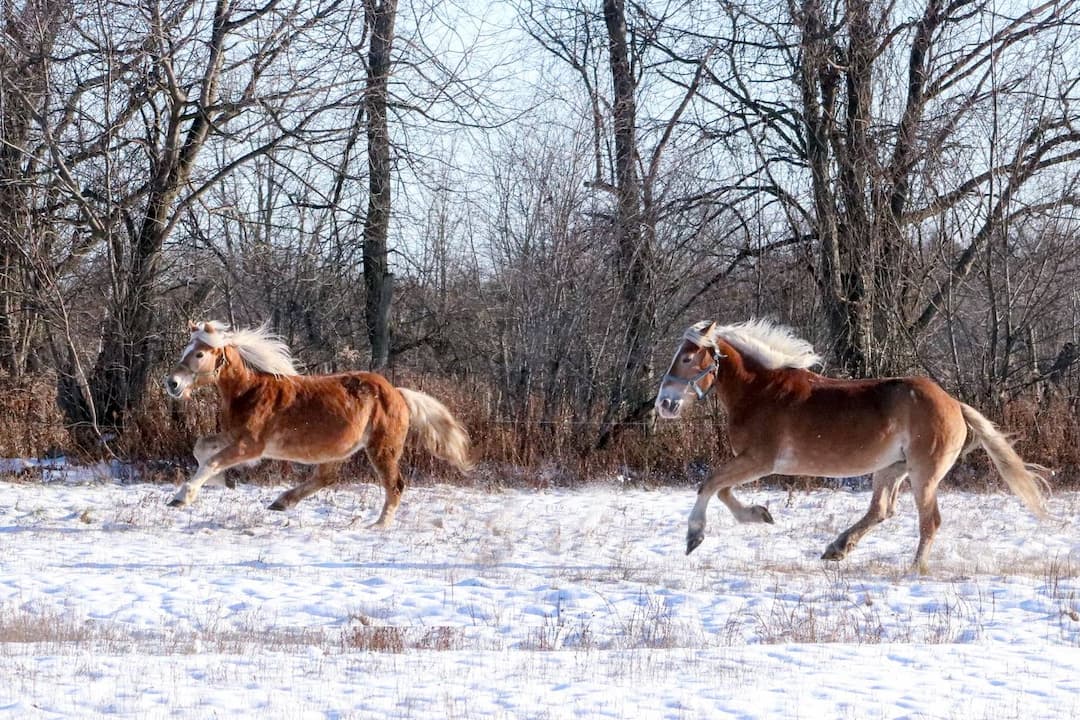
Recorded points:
(31, 424)
(50, 628)
(365, 636)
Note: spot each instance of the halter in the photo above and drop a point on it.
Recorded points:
(222, 361)
(717, 356)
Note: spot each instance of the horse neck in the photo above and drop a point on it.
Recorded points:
(234, 377)
(733, 376)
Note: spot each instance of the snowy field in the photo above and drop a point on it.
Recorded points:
(525, 604)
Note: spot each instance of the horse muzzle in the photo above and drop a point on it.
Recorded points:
(177, 386)
(668, 407)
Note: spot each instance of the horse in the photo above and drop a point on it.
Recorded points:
(785, 419)
(270, 410)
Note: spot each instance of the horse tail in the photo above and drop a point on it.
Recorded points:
(1027, 480)
(439, 432)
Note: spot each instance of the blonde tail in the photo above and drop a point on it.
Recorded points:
(439, 432)
(1027, 480)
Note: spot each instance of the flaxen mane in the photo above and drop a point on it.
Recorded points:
(260, 349)
(771, 344)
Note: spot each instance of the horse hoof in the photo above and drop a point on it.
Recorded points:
(276, 505)
(833, 553)
(176, 502)
(764, 514)
(693, 541)
(230, 483)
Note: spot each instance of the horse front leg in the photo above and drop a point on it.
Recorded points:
(206, 448)
(215, 453)
(744, 513)
(739, 470)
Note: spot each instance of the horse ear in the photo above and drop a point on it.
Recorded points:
(710, 330)
(193, 326)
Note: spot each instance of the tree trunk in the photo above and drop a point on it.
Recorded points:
(378, 282)
(631, 391)
(128, 350)
(30, 32)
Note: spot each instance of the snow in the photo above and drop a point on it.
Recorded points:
(555, 603)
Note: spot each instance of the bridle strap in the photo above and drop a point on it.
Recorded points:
(693, 382)
(221, 362)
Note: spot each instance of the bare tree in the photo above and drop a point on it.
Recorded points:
(136, 97)
(628, 168)
(889, 167)
(29, 34)
(379, 16)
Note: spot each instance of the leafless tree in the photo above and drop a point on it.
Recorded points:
(136, 94)
(629, 168)
(379, 17)
(29, 34)
(896, 169)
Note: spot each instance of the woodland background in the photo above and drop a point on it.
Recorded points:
(518, 206)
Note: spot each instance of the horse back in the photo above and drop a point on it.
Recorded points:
(820, 419)
(319, 415)
(897, 401)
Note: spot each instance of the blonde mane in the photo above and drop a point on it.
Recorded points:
(260, 349)
(771, 344)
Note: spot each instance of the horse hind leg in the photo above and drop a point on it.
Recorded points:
(886, 485)
(385, 460)
(924, 490)
(323, 475)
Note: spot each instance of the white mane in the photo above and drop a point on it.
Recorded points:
(259, 348)
(771, 344)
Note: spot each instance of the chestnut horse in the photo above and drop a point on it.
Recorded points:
(787, 420)
(271, 411)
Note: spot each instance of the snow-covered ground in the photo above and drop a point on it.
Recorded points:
(526, 604)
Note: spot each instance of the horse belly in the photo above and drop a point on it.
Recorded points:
(836, 458)
(314, 449)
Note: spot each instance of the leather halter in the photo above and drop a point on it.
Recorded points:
(222, 361)
(712, 369)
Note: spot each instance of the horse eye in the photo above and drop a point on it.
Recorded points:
(199, 355)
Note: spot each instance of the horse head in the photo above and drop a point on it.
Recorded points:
(693, 368)
(200, 361)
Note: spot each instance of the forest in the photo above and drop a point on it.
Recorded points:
(520, 205)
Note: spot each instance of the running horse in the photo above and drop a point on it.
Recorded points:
(785, 419)
(269, 410)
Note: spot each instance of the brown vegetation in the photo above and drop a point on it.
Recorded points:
(529, 451)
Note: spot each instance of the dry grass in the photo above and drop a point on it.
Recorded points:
(362, 635)
(527, 450)
(59, 632)
(31, 424)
